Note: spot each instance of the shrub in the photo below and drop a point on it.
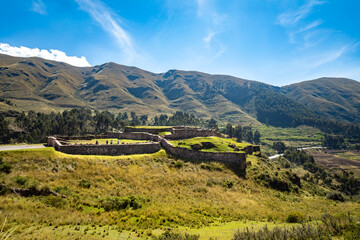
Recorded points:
(4, 190)
(177, 164)
(85, 183)
(295, 217)
(65, 190)
(4, 167)
(335, 196)
(167, 235)
(352, 232)
(119, 203)
(228, 183)
(21, 180)
(55, 201)
(211, 167)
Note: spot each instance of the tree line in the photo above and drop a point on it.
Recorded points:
(242, 133)
(33, 127)
(280, 111)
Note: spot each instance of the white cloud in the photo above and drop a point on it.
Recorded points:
(207, 39)
(335, 54)
(53, 54)
(310, 26)
(292, 17)
(110, 22)
(39, 7)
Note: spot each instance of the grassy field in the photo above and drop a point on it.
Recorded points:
(103, 141)
(159, 192)
(338, 159)
(220, 144)
(302, 136)
(164, 133)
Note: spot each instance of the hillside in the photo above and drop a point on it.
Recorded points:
(43, 85)
(134, 196)
(336, 98)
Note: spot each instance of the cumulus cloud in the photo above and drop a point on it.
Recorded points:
(39, 7)
(53, 54)
(110, 22)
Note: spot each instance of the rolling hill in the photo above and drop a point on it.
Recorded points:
(44, 85)
(337, 98)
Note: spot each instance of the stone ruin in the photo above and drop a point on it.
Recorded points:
(156, 142)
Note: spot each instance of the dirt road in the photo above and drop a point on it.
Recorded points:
(19, 147)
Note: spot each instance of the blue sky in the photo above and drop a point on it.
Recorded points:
(274, 41)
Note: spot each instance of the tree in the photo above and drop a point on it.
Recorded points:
(257, 137)
(143, 119)
(238, 133)
(4, 130)
(229, 130)
(279, 146)
(333, 142)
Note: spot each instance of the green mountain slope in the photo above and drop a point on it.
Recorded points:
(336, 98)
(43, 85)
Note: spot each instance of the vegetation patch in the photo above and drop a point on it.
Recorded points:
(211, 144)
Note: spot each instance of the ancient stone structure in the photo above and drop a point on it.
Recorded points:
(104, 149)
(148, 130)
(155, 143)
(183, 133)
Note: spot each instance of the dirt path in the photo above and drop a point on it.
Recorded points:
(19, 147)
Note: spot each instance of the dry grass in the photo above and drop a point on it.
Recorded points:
(179, 194)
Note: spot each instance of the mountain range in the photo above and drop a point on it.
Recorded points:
(44, 85)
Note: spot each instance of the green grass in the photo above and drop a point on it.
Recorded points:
(184, 197)
(164, 133)
(302, 136)
(221, 144)
(103, 141)
(226, 230)
(151, 127)
(299, 135)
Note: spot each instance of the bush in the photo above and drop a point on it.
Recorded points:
(295, 217)
(4, 190)
(119, 203)
(21, 180)
(4, 167)
(55, 201)
(211, 167)
(228, 183)
(167, 235)
(335, 196)
(352, 232)
(85, 183)
(177, 164)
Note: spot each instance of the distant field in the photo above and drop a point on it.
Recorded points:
(103, 141)
(302, 136)
(221, 144)
(338, 159)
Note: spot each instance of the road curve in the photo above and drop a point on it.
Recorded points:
(19, 147)
(279, 155)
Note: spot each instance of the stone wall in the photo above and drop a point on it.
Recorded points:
(112, 150)
(183, 133)
(148, 130)
(238, 159)
(134, 136)
(105, 149)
